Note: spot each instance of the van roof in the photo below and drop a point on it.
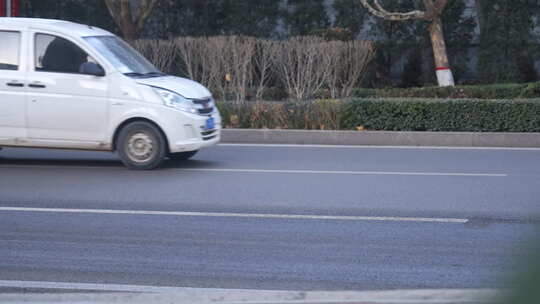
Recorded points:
(62, 26)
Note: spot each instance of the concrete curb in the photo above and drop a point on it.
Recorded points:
(208, 296)
(381, 138)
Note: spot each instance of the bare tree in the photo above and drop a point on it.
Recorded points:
(238, 62)
(432, 14)
(233, 66)
(197, 61)
(266, 52)
(222, 63)
(130, 15)
(160, 52)
(349, 62)
(304, 64)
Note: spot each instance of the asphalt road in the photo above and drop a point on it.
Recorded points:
(286, 218)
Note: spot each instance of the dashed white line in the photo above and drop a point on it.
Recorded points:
(379, 147)
(239, 215)
(87, 286)
(313, 172)
(122, 287)
(346, 172)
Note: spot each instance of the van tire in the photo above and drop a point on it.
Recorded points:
(141, 146)
(182, 155)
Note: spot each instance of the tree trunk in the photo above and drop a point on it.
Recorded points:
(442, 66)
(480, 15)
(129, 30)
(28, 10)
(121, 12)
(127, 25)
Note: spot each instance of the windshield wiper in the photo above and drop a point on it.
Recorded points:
(145, 75)
(134, 74)
(155, 74)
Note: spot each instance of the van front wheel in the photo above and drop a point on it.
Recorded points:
(141, 146)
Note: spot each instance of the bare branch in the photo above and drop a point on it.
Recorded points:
(161, 53)
(349, 62)
(377, 10)
(265, 53)
(125, 12)
(304, 65)
(380, 7)
(131, 22)
(429, 5)
(440, 5)
(114, 8)
(144, 12)
(430, 9)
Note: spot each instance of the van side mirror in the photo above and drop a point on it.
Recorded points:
(91, 68)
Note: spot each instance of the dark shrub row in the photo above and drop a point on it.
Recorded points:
(444, 115)
(474, 115)
(496, 91)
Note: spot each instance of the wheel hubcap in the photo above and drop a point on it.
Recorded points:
(140, 147)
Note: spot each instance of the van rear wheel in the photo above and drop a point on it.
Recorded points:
(141, 146)
(182, 155)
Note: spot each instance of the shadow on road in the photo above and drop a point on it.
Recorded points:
(44, 162)
(192, 164)
(97, 163)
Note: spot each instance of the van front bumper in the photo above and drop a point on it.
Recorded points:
(194, 143)
(189, 133)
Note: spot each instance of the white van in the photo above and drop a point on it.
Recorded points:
(71, 86)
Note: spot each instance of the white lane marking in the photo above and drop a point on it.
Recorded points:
(157, 294)
(347, 172)
(100, 287)
(241, 215)
(377, 147)
(230, 170)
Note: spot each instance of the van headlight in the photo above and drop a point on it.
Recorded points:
(176, 101)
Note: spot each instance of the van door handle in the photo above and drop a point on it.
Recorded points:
(37, 85)
(15, 84)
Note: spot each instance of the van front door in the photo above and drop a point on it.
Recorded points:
(12, 88)
(63, 104)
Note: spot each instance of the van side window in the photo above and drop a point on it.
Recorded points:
(55, 54)
(9, 52)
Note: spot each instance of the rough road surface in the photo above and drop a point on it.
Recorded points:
(268, 218)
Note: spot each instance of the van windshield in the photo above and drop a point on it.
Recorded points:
(123, 57)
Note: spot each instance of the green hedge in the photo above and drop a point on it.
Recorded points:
(443, 115)
(496, 91)
(387, 114)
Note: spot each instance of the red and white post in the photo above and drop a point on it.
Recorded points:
(445, 77)
(10, 8)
